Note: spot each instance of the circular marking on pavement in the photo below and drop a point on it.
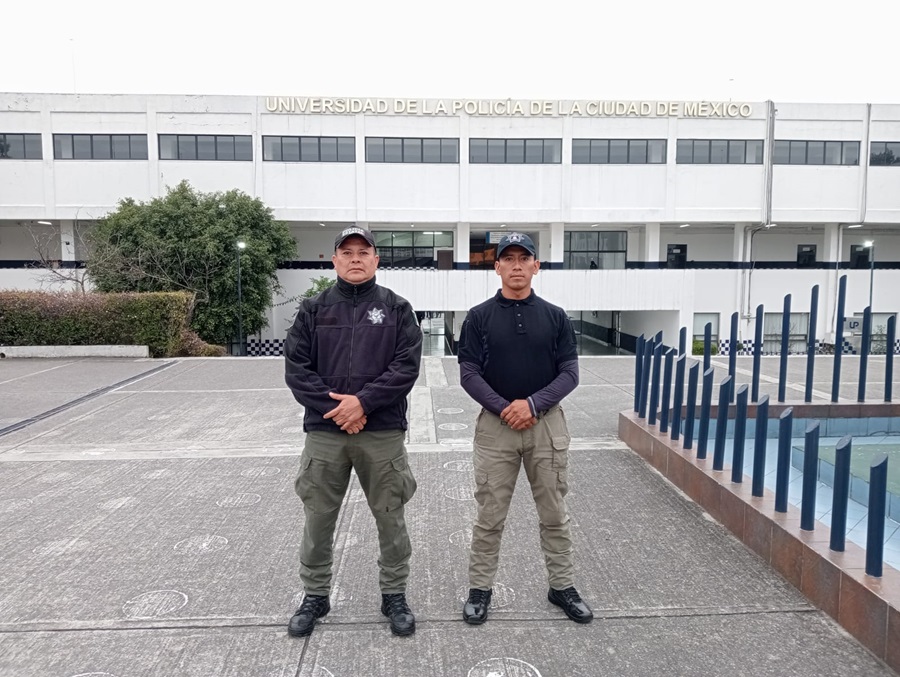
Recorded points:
(462, 465)
(55, 477)
(450, 410)
(292, 430)
(239, 501)
(322, 672)
(260, 471)
(460, 494)
(455, 442)
(115, 503)
(504, 667)
(154, 474)
(453, 426)
(202, 543)
(61, 546)
(502, 596)
(13, 504)
(154, 604)
(461, 539)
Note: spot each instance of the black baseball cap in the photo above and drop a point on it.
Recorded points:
(350, 232)
(516, 240)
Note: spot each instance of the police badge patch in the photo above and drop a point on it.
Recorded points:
(376, 316)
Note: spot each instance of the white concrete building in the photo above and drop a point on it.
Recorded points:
(648, 214)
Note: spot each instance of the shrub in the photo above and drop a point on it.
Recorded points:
(193, 346)
(697, 348)
(155, 320)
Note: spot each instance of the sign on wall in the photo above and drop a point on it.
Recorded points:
(306, 105)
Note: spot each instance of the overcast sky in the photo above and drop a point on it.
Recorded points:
(784, 50)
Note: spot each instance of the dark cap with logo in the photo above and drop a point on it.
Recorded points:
(350, 232)
(516, 240)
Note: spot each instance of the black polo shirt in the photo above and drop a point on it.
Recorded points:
(518, 345)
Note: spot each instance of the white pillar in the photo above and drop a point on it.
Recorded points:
(737, 252)
(556, 253)
(461, 247)
(651, 242)
(831, 254)
(67, 240)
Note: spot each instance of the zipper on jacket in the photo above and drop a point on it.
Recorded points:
(352, 334)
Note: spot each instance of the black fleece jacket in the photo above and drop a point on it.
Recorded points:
(354, 339)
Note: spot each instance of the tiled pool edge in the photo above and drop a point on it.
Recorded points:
(836, 582)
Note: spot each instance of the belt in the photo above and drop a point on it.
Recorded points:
(539, 415)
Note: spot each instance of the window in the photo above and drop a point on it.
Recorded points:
(618, 151)
(798, 330)
(21, 147)
(593, 249)
(817, 153)
(205, 147)
(719, 152)
(515, 151)
(412, 150)
(700, 322)
(309, 149)
(410, 249)
(100, 146)
(885, 153)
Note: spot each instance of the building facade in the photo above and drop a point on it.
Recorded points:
(648, 215)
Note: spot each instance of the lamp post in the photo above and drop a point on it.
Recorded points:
(241, 245)
(871, 245)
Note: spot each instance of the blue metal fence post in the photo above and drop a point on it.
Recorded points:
(678, 399)
(740, 435)
(705, 407)
(666, 391)
(658, 338)
(645, 378)
(732, 355)
(785, 346)
(721, 424)
(638, 363)
(707, 342)
(783, 464)
(811, 342)
(810, 477)
(864, 354)
(760, 440)
(693, 375)
(654, 384)
(841, 493)
(757, 352)
(682, 341)
(839, 340)
(889, 358)
(875, 528)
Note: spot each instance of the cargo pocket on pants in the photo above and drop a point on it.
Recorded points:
(305, 484)
(403, 484)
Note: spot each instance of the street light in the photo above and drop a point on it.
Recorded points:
(241, 245)
(871, 246)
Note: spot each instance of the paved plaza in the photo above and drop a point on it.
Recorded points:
(149, 526)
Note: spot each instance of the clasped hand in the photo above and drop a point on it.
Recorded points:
(518, 415)
(348, 414)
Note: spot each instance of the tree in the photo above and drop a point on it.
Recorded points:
(319, 284)
(187, 241)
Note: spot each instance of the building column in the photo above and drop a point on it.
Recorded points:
(737, 250)
(461, 247)
(555, 254)
(67, 240)
(651, 245)
(831, 254)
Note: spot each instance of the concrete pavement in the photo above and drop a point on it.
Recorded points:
(148, 526)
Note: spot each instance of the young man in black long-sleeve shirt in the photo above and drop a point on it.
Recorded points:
(518, 360)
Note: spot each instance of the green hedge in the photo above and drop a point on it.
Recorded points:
(156, 320)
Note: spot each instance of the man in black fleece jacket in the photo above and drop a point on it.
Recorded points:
(352, 357)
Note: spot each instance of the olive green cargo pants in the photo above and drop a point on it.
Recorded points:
(499, 453)
(380, 461)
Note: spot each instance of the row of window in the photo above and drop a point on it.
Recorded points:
(219, 147)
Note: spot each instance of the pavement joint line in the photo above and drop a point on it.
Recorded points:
(603, 614)
(792, 385)
(80, 400)
(42, 371)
